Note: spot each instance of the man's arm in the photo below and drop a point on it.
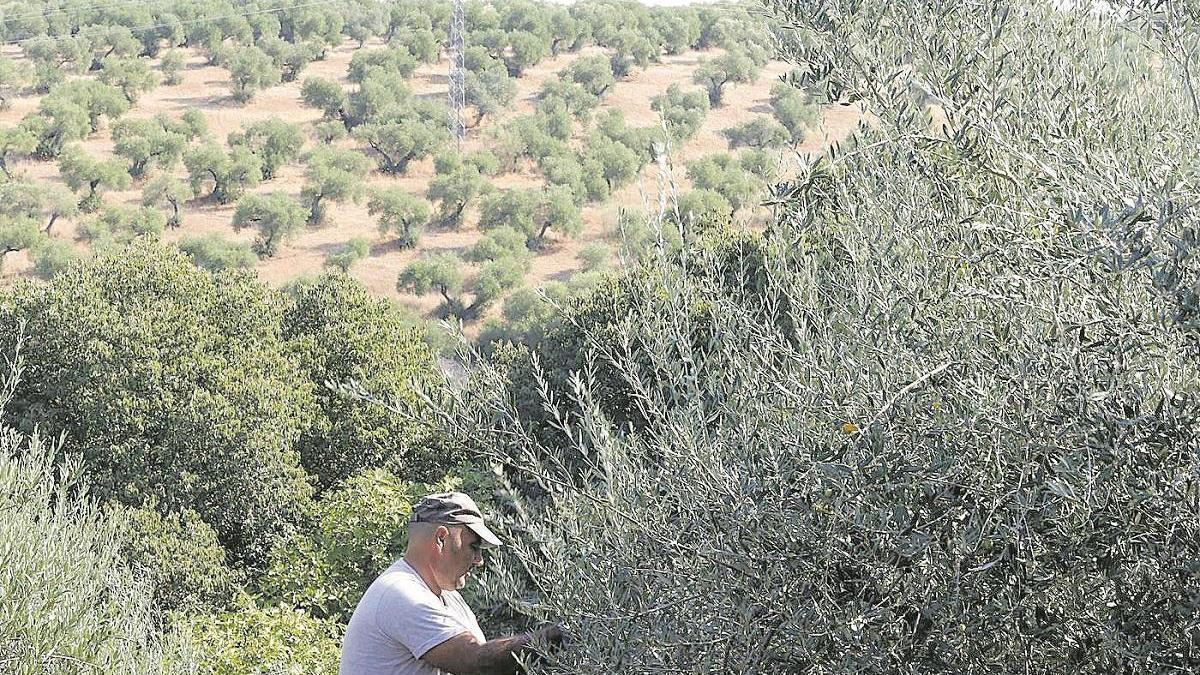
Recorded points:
(465, 655)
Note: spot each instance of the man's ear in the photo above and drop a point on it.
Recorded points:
(440, 534)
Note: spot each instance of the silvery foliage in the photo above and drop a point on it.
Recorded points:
(68, 604)
(947, 424)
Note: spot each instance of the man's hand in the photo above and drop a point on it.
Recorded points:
(553, 634)
(464, 655)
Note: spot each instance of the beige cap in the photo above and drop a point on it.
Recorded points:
(453, 508)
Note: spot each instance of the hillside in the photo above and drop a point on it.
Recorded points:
(207, 88)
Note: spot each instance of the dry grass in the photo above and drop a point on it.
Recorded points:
(207, 88)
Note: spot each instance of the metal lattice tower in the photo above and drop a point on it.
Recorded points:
(458, 96)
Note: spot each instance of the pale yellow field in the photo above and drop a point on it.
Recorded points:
(207, 88)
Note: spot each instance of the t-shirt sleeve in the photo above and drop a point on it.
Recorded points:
(417, 622)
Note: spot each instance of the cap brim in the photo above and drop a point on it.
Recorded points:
(489, 538)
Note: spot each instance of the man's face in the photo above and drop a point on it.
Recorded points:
(461, 552)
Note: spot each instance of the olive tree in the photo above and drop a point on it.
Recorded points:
(732, 67)
(326, 95)
(55, 57)
(793, 110)
(399, 212)
(331, 174)
(501, 243)
(488, 88)
(214, 252)
(14, 75)
(170, 192)
(533, 212)
(44, 203)
(273, 141)
(226, 175)
(759, 132)
(558, 97)
(397, 143)
(395, 60)
(355, 250)
(171, 66)
(155, 141)
(117, 226)
(442, 273)
(250, 70)
(593, 73)
(724, 174)
(111, 41)
(18, 234)
(631, 47)
(961, 405)
(83, 172)
(525, 49)
(682, 111)
(679, 27)
(133, 76)
(278, 218)
(454, 190)
(15, 142)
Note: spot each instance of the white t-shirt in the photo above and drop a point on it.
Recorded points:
(397, 620)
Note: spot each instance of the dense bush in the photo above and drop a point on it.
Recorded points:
(337, 332)
(173, 384)
(215, 253)
(935, 419)
(179, 556)
(255, 639)
(358, 530)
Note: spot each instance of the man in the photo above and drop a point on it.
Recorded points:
(412, 620)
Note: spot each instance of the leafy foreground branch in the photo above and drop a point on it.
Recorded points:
(940, 418)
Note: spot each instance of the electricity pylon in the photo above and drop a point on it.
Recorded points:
(458, 95)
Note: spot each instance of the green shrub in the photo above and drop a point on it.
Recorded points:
(338, 333)
(358, 530)
(174, 384)
(356, 249)
(215, 253)
(256, 639)
(179, 556)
